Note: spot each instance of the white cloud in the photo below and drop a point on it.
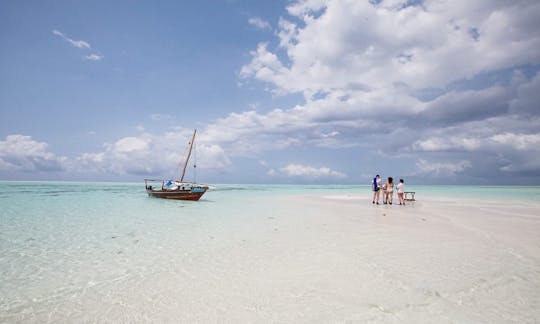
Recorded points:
(93, 57)
(355, 42)
(81, 44)
(213, 157)
(521, 142)
(447, 144)
(153, 154)
(437, 169)
(361, 67)
(259, 23)
(330, 135)
(498, 142)
(131, 144)
(22, 153)
(306, 7)
(469, 121)
(306, 171)
(76, 43)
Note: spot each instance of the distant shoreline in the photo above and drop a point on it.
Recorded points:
(279, 184)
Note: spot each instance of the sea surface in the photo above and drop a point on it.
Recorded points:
(100, 252)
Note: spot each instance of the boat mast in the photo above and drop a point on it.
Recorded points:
(189, 155)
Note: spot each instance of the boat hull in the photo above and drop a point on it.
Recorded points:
(177, 194)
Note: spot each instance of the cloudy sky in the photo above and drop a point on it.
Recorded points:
(305, 91)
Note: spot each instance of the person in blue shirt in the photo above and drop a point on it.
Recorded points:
(376, 187)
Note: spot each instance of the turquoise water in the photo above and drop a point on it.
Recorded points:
(65, 248)
(500, 193)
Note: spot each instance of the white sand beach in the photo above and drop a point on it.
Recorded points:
(341, 259)
(313, 258)
(435, 261)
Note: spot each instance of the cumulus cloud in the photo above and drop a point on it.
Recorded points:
(522, 142)
(22, 153)
(131, 144)
(400, 77)
(343, 43)
(475, 122)
(444, 144)
(259, 23)
(153, 154)
(438, 169)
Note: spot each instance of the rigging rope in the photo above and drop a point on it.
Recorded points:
(195, 162)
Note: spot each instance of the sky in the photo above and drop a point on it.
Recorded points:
(299, 91)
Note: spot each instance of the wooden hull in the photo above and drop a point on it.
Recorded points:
(176, 194)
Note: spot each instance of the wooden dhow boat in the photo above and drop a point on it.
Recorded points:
(176, 189)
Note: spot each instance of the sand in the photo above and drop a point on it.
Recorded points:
(432, 261)
(324, 259)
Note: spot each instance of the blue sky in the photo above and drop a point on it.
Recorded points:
(280, 91)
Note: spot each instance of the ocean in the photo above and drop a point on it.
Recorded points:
(106, 252)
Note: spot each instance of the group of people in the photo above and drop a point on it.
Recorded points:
(387, 190)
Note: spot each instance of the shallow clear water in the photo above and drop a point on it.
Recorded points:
(102, 251)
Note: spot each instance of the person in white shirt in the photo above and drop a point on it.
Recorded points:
(400, 191)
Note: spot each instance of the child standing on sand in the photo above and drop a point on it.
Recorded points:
(400, 191)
